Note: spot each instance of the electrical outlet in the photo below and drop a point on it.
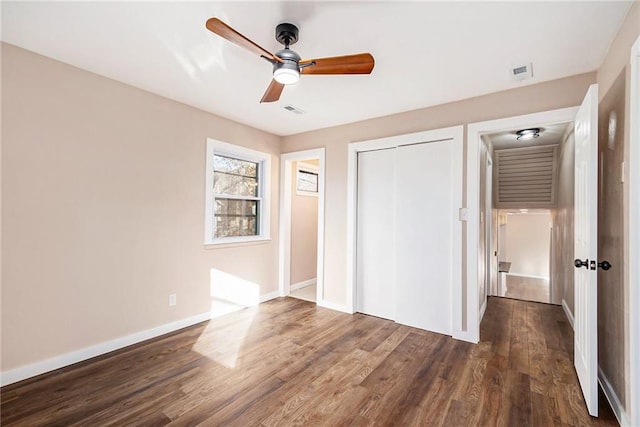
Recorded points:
(172, 300)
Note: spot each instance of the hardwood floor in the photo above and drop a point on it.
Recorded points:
(526, 288)
(287, 362)
(308, 293)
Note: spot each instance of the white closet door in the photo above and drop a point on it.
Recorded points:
(424, 235)
(375, 233)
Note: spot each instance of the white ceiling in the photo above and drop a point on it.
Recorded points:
(426, 53)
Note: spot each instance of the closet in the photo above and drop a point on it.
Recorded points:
(406, 222)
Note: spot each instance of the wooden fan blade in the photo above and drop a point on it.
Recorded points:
(218, 27)
(273, 92)
(361, 63)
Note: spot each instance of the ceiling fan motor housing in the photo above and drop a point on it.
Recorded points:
(290, 60)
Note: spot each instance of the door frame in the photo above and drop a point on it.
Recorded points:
(488, 230)
(474, 139)
(634, 235)
(286, 181)
(455, 134)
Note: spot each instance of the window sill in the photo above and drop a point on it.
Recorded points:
(235, 243)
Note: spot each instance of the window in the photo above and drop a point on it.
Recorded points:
(237, 194)
(306, 179)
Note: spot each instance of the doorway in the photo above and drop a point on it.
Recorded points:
(524, 248)
(531, 213)
(477, 147)
(302, 225)
(304, 229)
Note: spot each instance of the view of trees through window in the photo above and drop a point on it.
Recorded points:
(237, 197)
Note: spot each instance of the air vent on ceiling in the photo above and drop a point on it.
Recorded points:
(293, 109)
(522, 72)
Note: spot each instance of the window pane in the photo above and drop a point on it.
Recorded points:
(235, 166)
(307, 181)
(235, 218)
(234, 176)
(234, 185)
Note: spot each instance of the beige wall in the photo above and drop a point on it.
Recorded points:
(611, 233)
(617, 57)
(562, 220)
(615, 356)
(103, 209)
(304, 232)
(567, 92)
(527, 244)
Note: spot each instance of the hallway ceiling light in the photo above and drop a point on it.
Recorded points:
(527, 134)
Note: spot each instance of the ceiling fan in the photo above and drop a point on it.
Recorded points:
(287, 65)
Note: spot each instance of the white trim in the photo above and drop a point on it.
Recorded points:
(634, 235)
(483, 308)
(455, 134)
(567, 312)
(269, 296)
(57, 362)
(333, 306)
(264, 182)
(474, 133)
(488, 221)
(303, 284)
(616, 406)
(530, 276)
(237, 244)
(284, 264)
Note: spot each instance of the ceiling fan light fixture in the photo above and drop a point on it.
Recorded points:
(286, 76)
(528, 134)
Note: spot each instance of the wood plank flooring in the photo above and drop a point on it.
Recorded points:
(287, 362)
(526, 288)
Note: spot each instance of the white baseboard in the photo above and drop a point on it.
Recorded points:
(303, 284)
(270, 296)
(483, 309)
(568, 313)
(612, 397)
(466, 336)
(57, 362)
(332, 306)
(530, 276)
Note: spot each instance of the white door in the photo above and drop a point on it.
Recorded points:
(405, 234)
(586, 248)
(424, 235)
(375, 256)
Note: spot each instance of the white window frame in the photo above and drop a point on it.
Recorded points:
(309, 168)
(215, 147)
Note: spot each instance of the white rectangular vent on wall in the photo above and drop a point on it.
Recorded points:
(522, 72)
(526, 177)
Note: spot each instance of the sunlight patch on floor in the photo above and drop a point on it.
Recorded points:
(229, 294)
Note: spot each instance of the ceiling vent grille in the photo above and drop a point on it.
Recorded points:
(522, 72)
(293, 109)
(526, 177)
